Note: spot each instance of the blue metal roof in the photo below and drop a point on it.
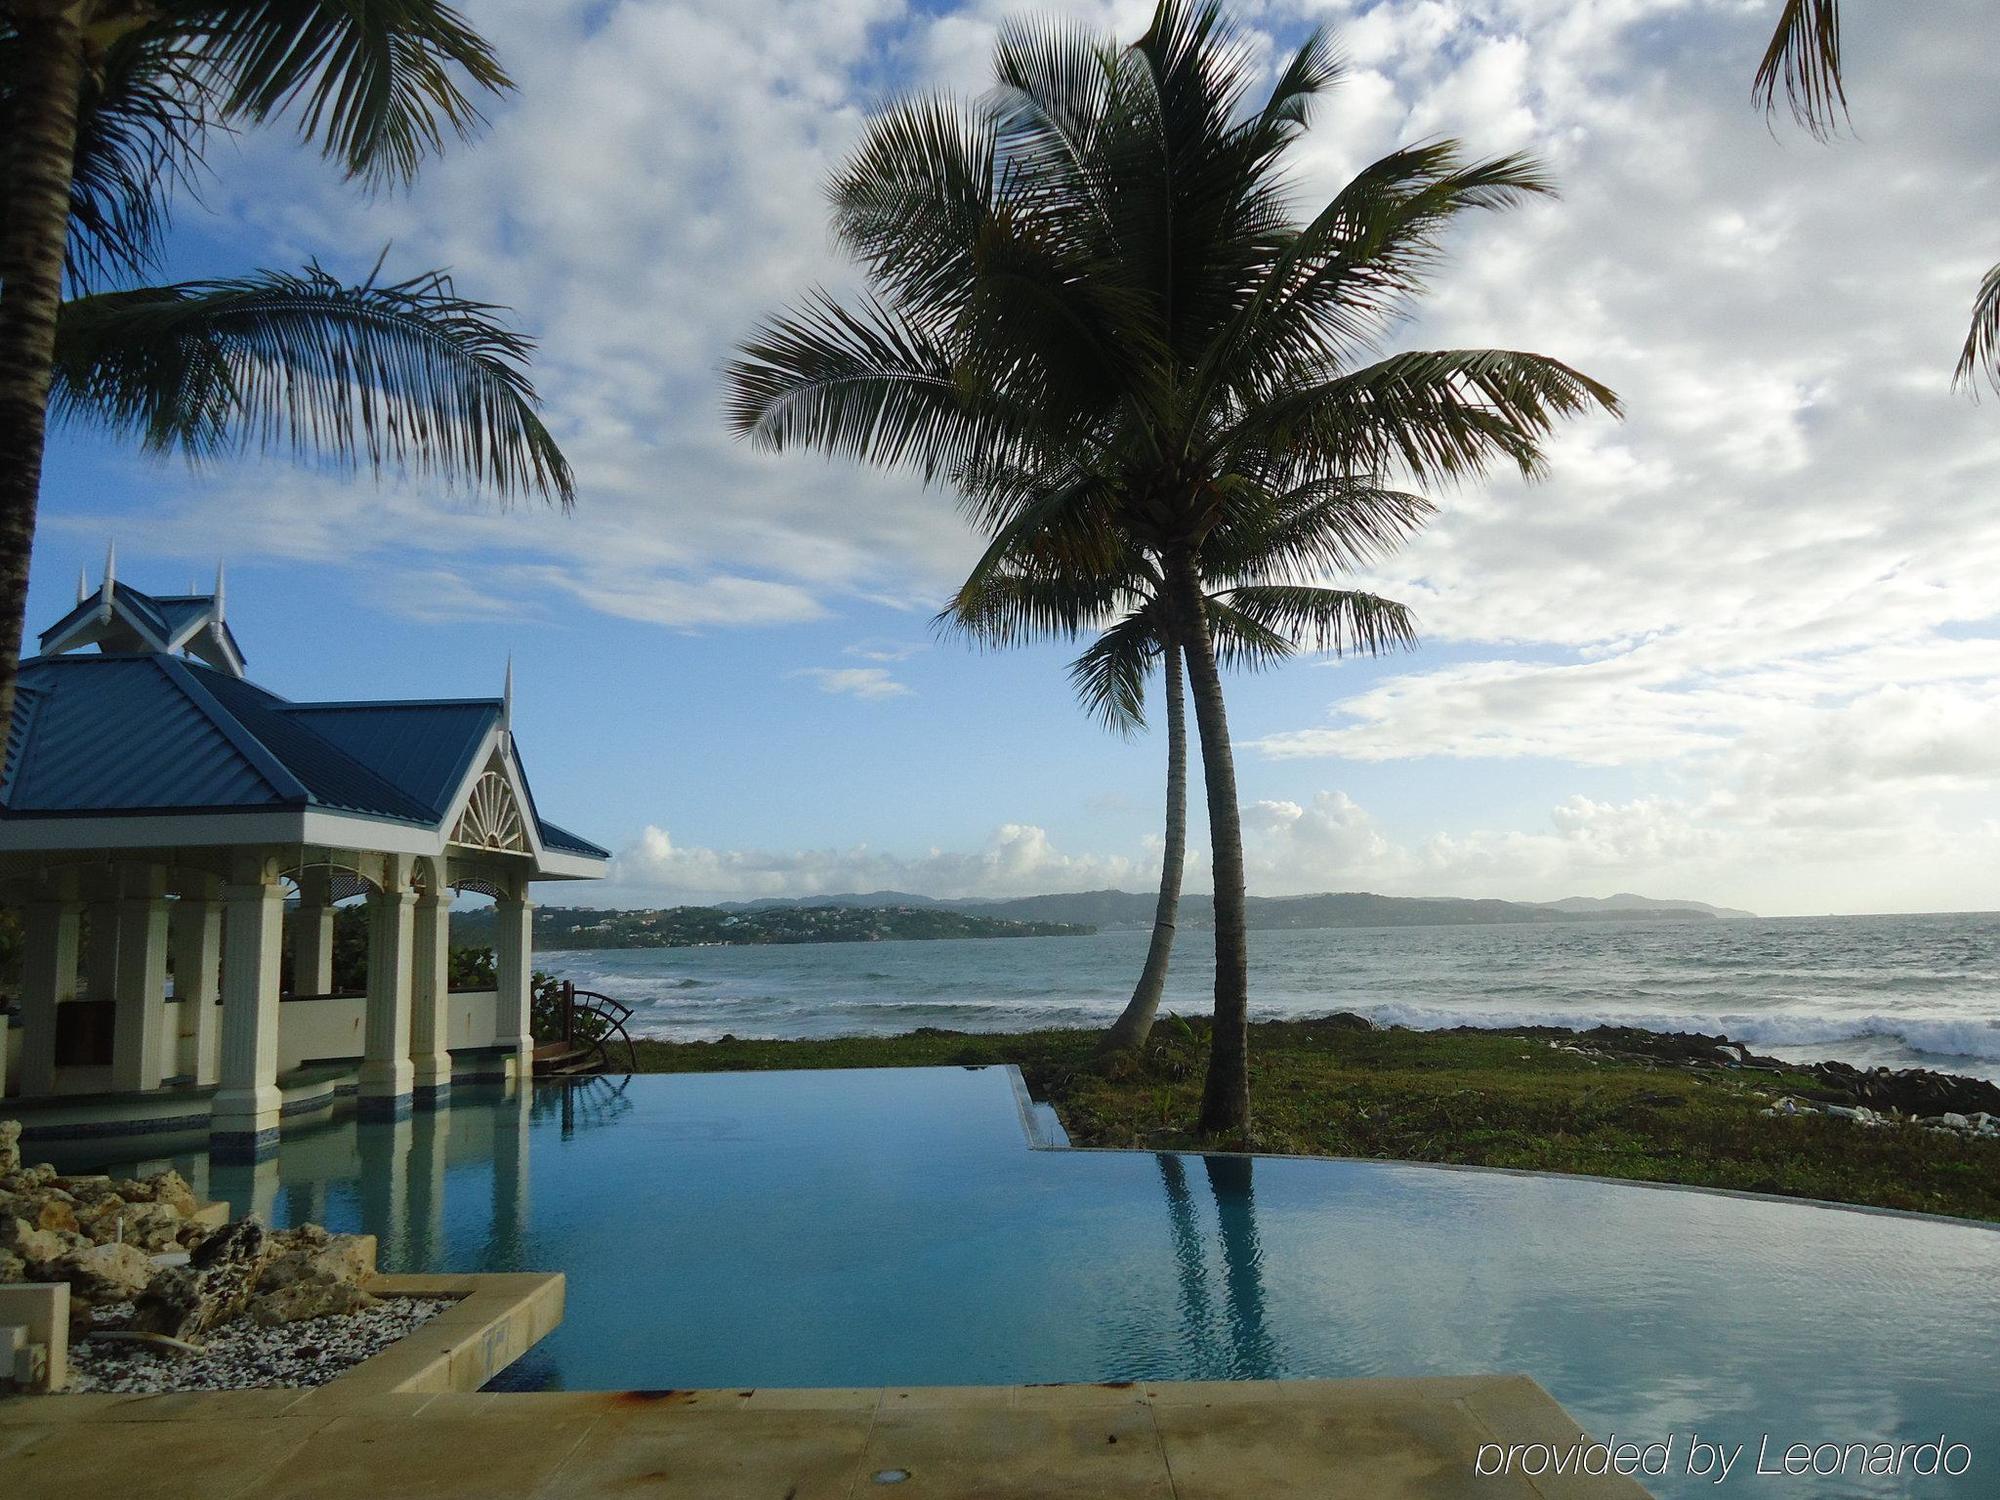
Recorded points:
(426, 747)
(123, 734)
(561, 838)
(156, 733)
(331, 777)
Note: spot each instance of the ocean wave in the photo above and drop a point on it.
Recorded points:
(1937, 1036)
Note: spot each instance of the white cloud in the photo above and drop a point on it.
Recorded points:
(1017, 860)
(884, 651)
(856, 682)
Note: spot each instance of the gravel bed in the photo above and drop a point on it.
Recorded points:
(239, 1355)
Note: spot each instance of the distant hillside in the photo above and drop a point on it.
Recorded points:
(1626, 904)
(1124, 909)
(573, 927)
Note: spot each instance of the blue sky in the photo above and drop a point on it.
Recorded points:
(1739, 647)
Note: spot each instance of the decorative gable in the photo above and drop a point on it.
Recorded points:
(492, 817)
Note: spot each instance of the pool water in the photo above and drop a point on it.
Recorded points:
(893, 1227)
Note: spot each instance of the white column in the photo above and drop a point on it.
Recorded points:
(48, 977)
(100, 958)
(244, 1117)
(195, 934)
(386, 1073)
(514, 958)
(141, 990)
(430, 1018)
(312, 934)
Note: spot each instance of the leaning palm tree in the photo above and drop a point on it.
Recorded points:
(1804, 61)
(1094, 279)
(1064, 592)
(106, 105)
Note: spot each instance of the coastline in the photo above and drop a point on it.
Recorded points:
(1900, 992)
(1684, 1108)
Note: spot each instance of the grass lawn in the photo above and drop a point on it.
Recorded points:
(1481, 1098)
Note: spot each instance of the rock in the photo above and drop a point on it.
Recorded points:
(299, 1300)
(1954, 1120)
(100, 1273)
(343, 1257)
(12, 1267)
(185, 1301)
(10, 1146)
(33, 1243)
(171, 1189)
(167, 1187)
(27, 1179)
(1347, 1020)
(151, 1226)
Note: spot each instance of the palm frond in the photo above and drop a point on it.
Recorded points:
(1440, 415)
(1804, 60)
(1010, 608)
(375, 84)
(1326, 524)
(1338, 622)
(1109, 675)
(913, 198)
(866, 384)
(404, 375)
(1982, 344)
(1314, 68)
(1340, 282)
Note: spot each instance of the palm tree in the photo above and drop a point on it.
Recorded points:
(1052, 590)
(107, 104)
(1804, 60)
(1093, 280)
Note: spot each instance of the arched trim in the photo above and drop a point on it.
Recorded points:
(492, 817)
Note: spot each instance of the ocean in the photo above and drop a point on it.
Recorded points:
(1907, 991)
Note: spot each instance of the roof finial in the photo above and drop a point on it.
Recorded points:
(218, 593)
(507, 696)
(82, 583)
(110, 576)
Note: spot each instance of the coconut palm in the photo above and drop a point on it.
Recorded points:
(1094, 312)
(1049, 590)
(107, 105)
(1803, 61)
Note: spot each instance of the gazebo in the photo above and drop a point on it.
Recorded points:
(158, 811)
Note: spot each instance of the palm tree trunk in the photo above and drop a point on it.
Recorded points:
(42, 158)
(1131, 1029)
(1225, 1101)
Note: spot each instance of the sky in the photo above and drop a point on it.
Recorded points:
(1740, 646)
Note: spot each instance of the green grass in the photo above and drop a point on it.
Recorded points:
(1485, 1099)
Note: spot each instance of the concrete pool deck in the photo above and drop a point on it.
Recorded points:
(1231, 1440)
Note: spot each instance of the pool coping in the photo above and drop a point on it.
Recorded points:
(1024, 1101)
(495, 1318)
(1391, 1438)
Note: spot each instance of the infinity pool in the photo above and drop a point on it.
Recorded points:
(891, 1227)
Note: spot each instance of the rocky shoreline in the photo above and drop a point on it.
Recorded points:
(1948, 1102)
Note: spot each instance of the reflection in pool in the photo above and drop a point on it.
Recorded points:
(891, 1227)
